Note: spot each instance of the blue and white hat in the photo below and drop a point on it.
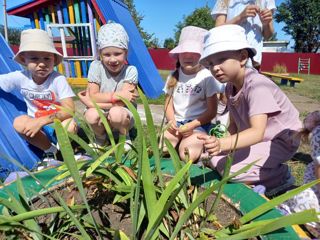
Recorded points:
(113, 35)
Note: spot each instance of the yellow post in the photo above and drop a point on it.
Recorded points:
(71, 12)
(52, 13)
(36, 20)
(78, 69)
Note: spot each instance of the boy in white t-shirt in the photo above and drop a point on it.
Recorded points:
(42, 88)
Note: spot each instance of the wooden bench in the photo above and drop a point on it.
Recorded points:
(284, 78)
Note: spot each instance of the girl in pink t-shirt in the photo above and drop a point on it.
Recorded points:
(263, 122)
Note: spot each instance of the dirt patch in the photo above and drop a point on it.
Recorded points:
(117, 216)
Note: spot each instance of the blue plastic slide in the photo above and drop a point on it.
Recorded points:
(12, 105)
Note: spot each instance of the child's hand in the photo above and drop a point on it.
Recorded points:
(265, 16)
(211, 144)
(85, 99)
(129, 94)
(173, 129)
(186, 130)
(249, 11)
(32, 127)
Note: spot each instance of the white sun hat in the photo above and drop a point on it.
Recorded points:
(228, 37)
(39, 41)
(191, 40)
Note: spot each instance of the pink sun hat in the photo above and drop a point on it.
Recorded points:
(191, 40)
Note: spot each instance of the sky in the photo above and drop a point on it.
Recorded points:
(160, 16)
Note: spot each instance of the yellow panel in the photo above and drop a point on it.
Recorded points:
(81, 82)
(71, 12)
(78, 69)
(98, 25)
(60, 69)
(52, 13)
(36, 20)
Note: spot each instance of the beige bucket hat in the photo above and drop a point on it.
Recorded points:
(228, 37)
(191, 40)
(39, 41)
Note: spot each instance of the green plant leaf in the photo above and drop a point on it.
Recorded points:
(152, 135)
(68, 156)
(295, 218)
(275, 202)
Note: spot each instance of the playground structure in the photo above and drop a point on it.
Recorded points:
(78, 46)
(74, 24)
(304, 65)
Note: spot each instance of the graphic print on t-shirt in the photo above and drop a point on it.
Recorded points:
(45, 102)
(189, 89)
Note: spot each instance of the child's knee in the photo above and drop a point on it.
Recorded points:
(92, 116)
(20, 122)
(71, 125)
(119, 115)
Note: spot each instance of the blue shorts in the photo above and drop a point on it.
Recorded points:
(50, 133)
(203, 128)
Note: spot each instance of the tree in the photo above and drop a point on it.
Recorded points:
(201, 17)
(13, 35)
(149, 39)
(169, 43)
(302, 18)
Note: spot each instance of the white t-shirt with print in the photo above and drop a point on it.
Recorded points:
(252, 26)
(37, 97)
(191, 92)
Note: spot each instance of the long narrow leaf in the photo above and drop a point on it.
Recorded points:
(275, 202)
(68, 156)
(152, 135)
(296, 218)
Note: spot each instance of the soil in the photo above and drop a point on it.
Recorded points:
(117, 216)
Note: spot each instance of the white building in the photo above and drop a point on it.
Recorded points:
(275, 46)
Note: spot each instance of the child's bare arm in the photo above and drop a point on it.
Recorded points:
(246, 138)
(128, 91)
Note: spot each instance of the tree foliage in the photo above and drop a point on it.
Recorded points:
(302, 19)
(169, 43)
(200, 17)
(13, 35)
(149, 39)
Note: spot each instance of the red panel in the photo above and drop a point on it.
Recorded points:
(96, 7)
(30, 8)
(290, 60)
(161, 59)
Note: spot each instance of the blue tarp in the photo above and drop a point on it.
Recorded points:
(11, 105)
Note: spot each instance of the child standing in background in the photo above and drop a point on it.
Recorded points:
(263, 121)
(191, 95)
(255, 16)
(42, 88)
(109, 79)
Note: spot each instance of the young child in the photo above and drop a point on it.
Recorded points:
(309, 198)
(42, 88)
(191, 99)
(263, 121)
(254, 16)
(109, 79)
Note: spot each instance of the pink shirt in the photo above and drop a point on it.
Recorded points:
(260, 95)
